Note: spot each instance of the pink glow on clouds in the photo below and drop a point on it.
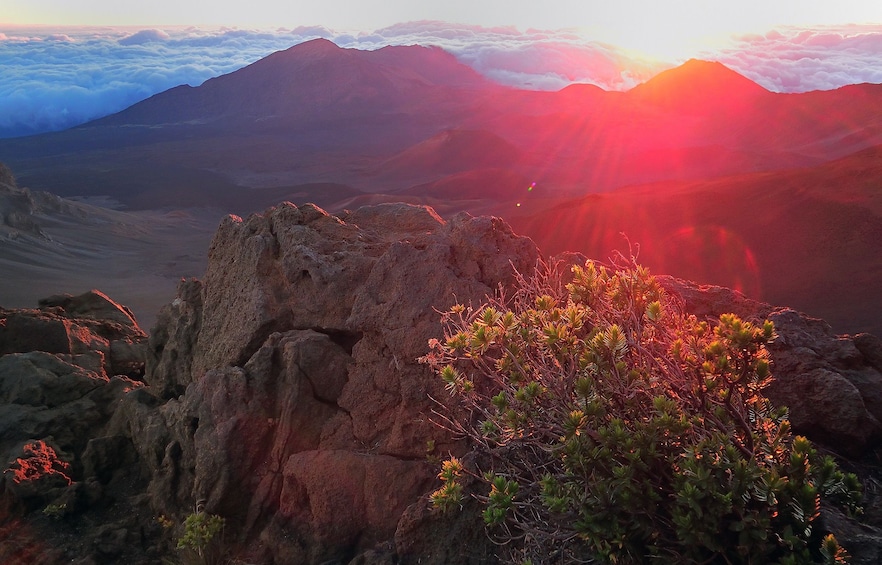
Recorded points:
(55, 78)
(798, 60)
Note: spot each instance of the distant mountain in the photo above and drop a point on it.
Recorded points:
(312, 81)
(381, 122)
(698, 87)
(717, 179)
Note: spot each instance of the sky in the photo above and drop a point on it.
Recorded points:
(64, 62)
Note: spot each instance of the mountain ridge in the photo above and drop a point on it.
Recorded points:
(339, 141)
(317, 112)
(695, 81)
(307, 79)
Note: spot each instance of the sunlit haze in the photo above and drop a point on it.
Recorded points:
(634, 24)
(65, 62)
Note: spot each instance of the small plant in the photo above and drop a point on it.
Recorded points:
(616, 428)
(55, 511)
(201, 540)
(450, 494)
(432, 456)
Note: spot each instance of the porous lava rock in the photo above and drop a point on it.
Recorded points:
(304, 408)
(89, 325)
(65, 368)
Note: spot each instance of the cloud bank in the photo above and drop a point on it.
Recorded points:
(799, 60)
(53, 79)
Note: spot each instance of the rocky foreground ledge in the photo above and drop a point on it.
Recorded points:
(282, 392)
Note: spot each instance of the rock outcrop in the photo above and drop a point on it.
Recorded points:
(24, 212)
(831, 384)
(282, 392)
(305, 410)
(64, 369)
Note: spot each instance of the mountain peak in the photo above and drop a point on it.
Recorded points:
(697, 81)
(315, 46)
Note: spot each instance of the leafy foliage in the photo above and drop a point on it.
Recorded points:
(619, 429)
(201, 540)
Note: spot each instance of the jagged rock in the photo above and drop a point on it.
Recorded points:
(43, 395)
(833, 392)
(252, 419)
(6, 176)
(367, 490)
(709, 301)
(172, 341)
(871, 347)
(831, 384)
(303, 374)
(35, 473)
(62, 378)
(18, 209)
(94, 305)
(89, 324)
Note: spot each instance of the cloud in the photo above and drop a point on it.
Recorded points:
(57, 78)
(799, 60)
(144, 36)
(537, 59)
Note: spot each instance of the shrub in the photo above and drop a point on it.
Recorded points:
(611, 426)
(201, 541)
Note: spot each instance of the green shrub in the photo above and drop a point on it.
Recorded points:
(613, 427)
(201, 541)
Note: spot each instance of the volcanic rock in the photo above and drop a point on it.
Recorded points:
(89, 325)
(831, 384)
(65, 367)
(282, 390)
(305, 410)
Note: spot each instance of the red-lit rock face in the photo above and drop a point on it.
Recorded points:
(311, 412)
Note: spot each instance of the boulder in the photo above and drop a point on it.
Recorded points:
(831, 384)
(88, 324)
(833, 391)
(305, 410)
(65, 369)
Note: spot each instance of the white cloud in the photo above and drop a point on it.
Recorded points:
(57, 78)
(144, 36)
(799, 60)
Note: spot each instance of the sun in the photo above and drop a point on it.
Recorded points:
(656, 41)
(658, 45)
(670, 31)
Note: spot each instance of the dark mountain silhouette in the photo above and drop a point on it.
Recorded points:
(312, 81)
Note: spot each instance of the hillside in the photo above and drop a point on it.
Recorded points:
(805, 237)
